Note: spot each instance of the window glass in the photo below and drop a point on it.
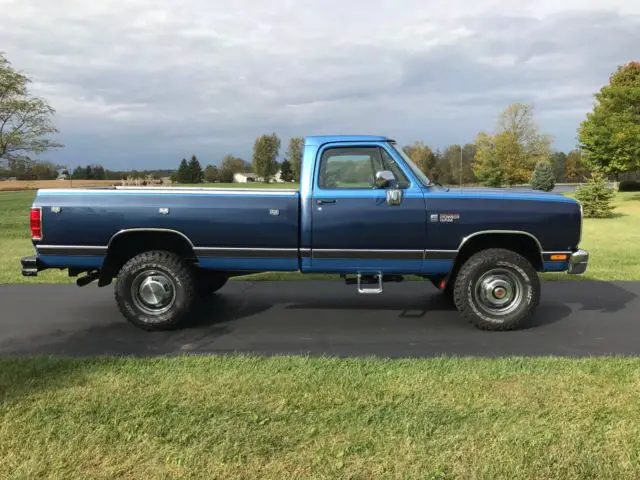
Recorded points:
(389, 163)
(349, 167)
(422, 178)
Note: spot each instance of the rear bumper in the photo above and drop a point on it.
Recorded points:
(578, 262)
(31, 266)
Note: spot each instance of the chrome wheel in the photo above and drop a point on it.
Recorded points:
(153, 292)
(499, 292)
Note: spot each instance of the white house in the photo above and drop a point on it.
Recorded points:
(252, 177)
(244, 177)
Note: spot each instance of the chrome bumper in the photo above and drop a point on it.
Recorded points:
(578, 262)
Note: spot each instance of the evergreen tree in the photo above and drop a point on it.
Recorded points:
(285, 172)
(596, 197)
(543, 178)
(196, 175)
(184, 172)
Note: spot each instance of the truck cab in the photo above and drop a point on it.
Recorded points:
(364, 211)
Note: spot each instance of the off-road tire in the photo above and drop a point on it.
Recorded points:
(184, 285)
(469, 276)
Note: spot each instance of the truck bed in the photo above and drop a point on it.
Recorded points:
(228, 228)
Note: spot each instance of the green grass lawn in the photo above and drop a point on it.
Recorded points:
(614, 243)
(281, 418)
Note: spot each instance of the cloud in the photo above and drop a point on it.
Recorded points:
(148, 82)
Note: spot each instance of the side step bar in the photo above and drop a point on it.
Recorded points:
(376, 279)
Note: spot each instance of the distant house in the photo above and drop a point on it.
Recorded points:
(252, 177)
(245, 178)
(62, 176)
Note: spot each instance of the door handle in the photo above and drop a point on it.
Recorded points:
(324, 202)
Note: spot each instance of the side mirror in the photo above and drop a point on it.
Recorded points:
(385, 179)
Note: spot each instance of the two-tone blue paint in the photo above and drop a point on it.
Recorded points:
(356, 220)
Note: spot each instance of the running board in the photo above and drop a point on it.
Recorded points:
(376, 279)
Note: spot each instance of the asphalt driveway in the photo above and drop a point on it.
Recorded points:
(578, 318)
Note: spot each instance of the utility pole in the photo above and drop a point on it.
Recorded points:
(461, 167)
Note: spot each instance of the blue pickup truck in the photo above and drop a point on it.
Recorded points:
(364, 211)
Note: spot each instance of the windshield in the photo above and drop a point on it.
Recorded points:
(422, 178)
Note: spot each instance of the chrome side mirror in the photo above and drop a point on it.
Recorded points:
(385, 179)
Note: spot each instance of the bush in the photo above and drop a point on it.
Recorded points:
(596, 197)
(629, 186)
(543, 177)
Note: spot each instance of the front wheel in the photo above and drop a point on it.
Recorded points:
(497, 289)
(156, 290)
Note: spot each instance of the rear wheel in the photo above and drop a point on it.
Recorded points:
(497, 289)
(155, 290)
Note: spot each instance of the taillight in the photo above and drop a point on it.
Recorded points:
(36, 223)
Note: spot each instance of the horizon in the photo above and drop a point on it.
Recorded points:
(142, 85)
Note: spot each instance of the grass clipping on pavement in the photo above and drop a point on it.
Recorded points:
(284, 417)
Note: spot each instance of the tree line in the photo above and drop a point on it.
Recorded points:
(609, 144)
(264, 164)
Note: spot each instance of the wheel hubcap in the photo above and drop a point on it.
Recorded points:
(153, 292)
(499, 292)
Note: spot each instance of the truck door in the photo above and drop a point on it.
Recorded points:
(358, 227)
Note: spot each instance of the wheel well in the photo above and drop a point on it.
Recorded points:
(127, 245)
(520, 243)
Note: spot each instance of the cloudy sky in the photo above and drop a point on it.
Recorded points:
(143, 83)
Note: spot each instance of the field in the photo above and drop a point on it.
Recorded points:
(614, 243)
(18, 185)
(277, 418)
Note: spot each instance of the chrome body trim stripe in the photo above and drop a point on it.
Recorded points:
(71, 250)
(228, 252)
(172, 190)
(349, 254)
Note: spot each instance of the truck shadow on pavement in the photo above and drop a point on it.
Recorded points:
(256, 316)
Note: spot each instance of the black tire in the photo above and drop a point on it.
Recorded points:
(497, 289)
(164, 272)
(210, 281)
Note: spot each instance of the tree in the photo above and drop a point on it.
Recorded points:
(575, 169)
(294, 156)
(596, 197)
(79, 173)
(195, 171)
(25, 120)
(515, 148)
(265, 156)
(286, 173)
(43, 171)
(183, 174)
(610, 136)
(558, 160)
(97, 172)
(422, 156)
(451, 161)
(543, 178)
(211, 174)
(486, 165)
(232, 165)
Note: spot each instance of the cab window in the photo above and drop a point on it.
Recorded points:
(389, 163)
(349, 168)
